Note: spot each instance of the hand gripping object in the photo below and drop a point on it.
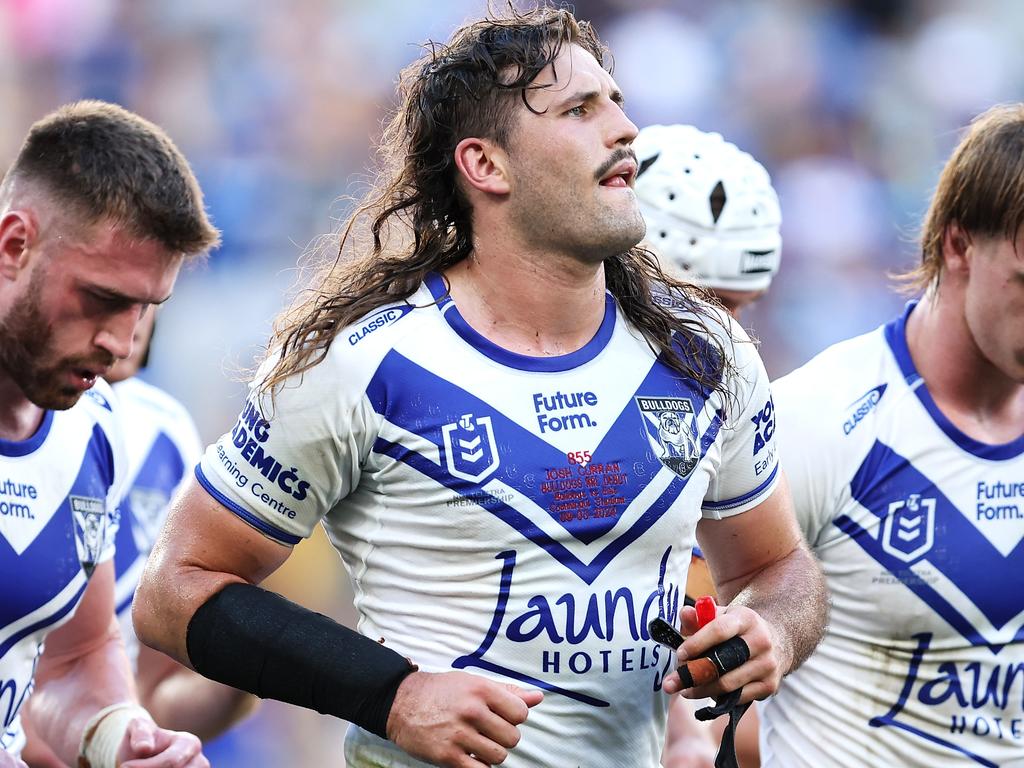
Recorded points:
(717, 660)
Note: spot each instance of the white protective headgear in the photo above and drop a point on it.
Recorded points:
(684, 176)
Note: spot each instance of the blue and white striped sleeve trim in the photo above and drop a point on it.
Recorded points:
(258, 523)
(730, 504)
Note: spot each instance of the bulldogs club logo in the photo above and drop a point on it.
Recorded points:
(90, 518)
(470, 452)
(671, 427)
(909, 529)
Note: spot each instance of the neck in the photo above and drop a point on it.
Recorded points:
(530, 303)
(973, 393)
(19, 417)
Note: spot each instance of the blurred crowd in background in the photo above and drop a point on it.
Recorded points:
(852, 105)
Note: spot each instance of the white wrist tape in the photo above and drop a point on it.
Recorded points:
(104, 733)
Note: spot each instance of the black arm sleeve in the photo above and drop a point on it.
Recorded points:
(257, 641)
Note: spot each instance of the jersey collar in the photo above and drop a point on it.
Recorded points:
(896, 336)
(439, 290)
(27, 446)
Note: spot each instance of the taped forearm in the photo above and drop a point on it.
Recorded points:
(257, 641)
(72, 684)
(104, 733)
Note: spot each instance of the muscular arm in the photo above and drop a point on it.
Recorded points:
(775, 593)
(183, 700)
(759, 559)
(82, 669)
(202, 548)
(200, 578)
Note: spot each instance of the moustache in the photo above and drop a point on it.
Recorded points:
(99, 362)
(616, 157)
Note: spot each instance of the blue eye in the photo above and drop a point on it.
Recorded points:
(577, 111)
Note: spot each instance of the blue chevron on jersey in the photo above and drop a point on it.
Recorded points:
(56, 548)
(920, 531)
(920, 524)
(64, 482)
(579, 500)
(515, 516)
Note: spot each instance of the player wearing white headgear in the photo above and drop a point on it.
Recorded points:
(711, 211)
(712, 216)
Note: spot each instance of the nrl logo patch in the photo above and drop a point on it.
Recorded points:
(90, 517)
(469, 448)
(671, 427)
(909, 529)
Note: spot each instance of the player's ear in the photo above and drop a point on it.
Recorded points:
(956, 248)
(17, 232)
(483, 165)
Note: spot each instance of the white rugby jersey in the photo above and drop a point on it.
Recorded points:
(520, 518)
(919, 530)
(58, 520)
(163, 446)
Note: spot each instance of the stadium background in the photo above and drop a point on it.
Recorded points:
(852, 106)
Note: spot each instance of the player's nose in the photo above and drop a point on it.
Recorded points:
(117, 335)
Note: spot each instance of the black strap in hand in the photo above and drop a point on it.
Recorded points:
(727, 705)
(726, 656)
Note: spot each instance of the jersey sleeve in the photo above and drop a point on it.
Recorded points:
(748, 470)
(807, 450)
(288, 460)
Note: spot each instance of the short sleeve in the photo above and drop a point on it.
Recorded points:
(288, 460)
(748, 470)
(807, 454)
